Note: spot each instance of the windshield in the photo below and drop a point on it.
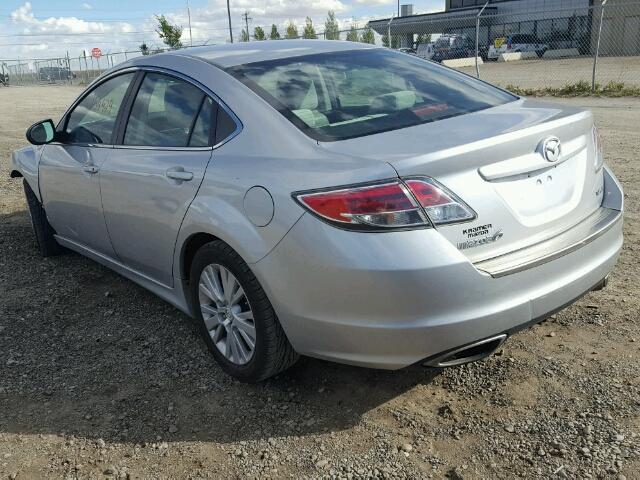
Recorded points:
(339, 95)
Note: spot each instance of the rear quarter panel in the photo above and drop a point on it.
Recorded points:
(25, 161)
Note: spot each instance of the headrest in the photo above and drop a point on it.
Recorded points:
(394, 101)
(294, 89)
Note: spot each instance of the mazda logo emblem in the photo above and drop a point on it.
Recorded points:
(551, 149)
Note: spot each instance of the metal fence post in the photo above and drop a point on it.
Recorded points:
(595, 56)
(478, 37)
(389, 33)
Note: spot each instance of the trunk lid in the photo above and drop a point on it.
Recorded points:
(494, 161)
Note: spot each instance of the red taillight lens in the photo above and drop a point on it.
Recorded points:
(379, 206)
(441, 205)
(416, 202)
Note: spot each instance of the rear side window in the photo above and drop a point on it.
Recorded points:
(225, 125)
(201, 135)
(165, 113)
(94, 118)
(339, 95)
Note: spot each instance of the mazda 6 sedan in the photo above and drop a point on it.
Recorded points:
(330, 199)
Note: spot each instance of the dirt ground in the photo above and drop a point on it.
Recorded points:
(99, 378)
(555, 73)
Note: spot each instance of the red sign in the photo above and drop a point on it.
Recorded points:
(96, 52)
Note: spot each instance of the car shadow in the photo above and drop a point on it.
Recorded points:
(85, 352)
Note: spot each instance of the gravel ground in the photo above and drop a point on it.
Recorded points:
(555, 73)
(99, 378)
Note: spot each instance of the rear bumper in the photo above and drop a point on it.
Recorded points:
(392, 299)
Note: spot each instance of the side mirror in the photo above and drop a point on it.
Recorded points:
(41, 132)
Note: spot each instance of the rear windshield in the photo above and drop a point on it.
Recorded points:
(339, 95)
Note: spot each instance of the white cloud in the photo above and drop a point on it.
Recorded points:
(55, 35)
(23, 17)
(375, 2)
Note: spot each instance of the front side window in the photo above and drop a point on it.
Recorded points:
(340, 95)
(93, 120)
(165, 113)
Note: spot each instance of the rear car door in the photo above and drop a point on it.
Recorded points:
(69, 170)
(155, 171)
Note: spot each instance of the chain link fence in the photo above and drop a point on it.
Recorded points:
(577, 46)
(531, 49)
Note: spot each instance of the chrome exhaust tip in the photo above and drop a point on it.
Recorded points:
(468, 353)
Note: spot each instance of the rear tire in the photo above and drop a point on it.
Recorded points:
(47, 245)
(272, 352)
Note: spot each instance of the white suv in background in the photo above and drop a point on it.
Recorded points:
(519, 42)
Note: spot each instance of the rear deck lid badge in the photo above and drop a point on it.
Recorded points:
(480, 235)
(551, 149)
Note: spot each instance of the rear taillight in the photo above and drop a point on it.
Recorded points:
(441, 206)
(379, 206)
(597, 144)
(416, 203)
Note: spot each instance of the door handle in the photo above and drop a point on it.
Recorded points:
(180, 175)
(90, 168)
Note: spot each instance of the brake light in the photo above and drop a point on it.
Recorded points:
(441, 206)
(597, 148)
(378, 206)
(418, 202)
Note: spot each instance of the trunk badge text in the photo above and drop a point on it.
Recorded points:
(480, 235)
(551, 149)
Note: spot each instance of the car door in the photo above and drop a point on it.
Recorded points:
(153, 175)
(69, 169)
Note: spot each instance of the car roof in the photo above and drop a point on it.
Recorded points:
(230, 55)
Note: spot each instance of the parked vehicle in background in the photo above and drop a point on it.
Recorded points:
(425, 50)
(410, 51)
(448, 47)
(52, 74)
(331, 199)
(518, 42)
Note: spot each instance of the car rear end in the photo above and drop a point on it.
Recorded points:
(500, 213)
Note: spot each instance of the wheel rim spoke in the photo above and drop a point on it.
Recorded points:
(227, 314)
(237, 296)
(242, 350)
(248, 315)
(247, 330)
(217, 334)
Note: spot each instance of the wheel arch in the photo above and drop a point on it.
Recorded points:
(189, 249)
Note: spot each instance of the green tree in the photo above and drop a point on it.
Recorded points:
(367, 36)
(258, 34)
(292, 31)
(275, 34)
(394, 41)
(244, 35)
(170, 34)
(309, 31)
(144, 49)
(331, 28)
(352, 34)
(423, 38)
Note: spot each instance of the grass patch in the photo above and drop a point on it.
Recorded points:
(579, 89)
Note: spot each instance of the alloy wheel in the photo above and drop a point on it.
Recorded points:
(227, 314)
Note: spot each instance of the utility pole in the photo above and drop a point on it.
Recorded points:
(229, 15)
(246, 17)
(189, 16)
(398, 8)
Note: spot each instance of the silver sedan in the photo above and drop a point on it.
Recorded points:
(329, 199)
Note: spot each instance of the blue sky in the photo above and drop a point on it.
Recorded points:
(45, 28)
